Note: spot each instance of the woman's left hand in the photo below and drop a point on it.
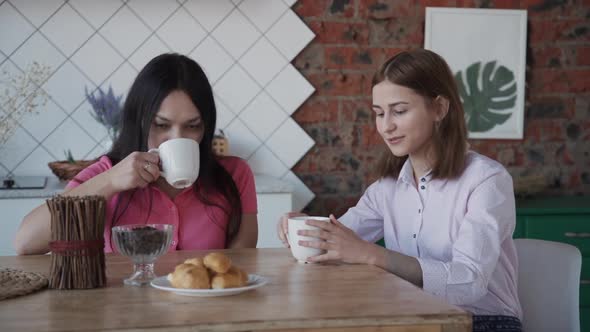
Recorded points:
(340, 242)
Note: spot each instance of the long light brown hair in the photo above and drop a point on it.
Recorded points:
(428, 74)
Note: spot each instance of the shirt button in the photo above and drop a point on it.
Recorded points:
(173, 243)
(422, 187)
(419, 210)
(414, 235)
(423, 179)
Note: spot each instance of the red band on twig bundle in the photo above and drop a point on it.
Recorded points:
(77, 248)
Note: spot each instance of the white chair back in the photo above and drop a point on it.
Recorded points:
(549, 285)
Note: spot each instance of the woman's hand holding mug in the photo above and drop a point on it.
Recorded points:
(283, 226)
(338, 242)
(137, 170)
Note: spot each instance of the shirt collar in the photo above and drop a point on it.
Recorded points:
(406, 175)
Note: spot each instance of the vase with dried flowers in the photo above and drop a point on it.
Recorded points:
(20, 94)
(106, 109)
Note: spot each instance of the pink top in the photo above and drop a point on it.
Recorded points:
(196, 225)
(460, 231)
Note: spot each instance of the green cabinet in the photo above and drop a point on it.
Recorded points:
(561, 219)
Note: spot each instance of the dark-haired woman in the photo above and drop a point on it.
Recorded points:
(170, 98)
(447, 214)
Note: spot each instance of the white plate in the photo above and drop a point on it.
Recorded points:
(254, 281)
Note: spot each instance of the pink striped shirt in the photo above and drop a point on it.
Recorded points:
(196, 225)
(460, 231)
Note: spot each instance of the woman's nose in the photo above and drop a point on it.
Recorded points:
(390, 124)
(175, 133)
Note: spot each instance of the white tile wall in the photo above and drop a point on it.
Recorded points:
(292, 45)
(245, 47)
(290, 89)
(262, 61)
(150, 48)
(263, 107)
(214, 59)
(265, 12)
(39, 49)
(95, 12)
(289, 141)
(236, 33)
(154, 13)
(67, 30)
(11, 38)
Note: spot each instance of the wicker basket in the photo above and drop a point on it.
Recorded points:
(14, 283)
(66, 170)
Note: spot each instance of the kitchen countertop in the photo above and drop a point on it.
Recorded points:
(265, 184)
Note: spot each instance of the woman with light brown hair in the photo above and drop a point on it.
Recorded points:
(446, 214)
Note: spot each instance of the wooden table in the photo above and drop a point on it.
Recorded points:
(299, 297)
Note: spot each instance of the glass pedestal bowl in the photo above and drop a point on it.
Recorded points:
(143, 244)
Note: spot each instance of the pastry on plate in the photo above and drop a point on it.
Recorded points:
(234, 277)
(190, 276)
(217, 262)
(215, 270)
(198, 261)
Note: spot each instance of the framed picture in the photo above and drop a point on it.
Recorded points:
(486, 50)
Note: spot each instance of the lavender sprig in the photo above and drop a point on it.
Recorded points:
(107, 109)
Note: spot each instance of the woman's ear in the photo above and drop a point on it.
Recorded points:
(441, 107)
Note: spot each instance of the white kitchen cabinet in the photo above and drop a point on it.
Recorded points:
(270, 207)
(274, 198)
(12, 212)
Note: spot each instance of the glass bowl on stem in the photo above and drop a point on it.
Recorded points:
(143, 244)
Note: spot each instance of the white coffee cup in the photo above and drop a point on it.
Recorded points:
(299, 252)
(179, 159)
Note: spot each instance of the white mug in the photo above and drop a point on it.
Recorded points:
(299, 252)
(179, 158)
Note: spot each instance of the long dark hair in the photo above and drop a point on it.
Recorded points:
(162, 75)
(428, 74)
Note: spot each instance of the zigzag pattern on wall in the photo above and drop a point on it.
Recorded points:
(244, 46)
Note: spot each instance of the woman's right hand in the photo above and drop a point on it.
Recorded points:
(137, 170)
(283, 226)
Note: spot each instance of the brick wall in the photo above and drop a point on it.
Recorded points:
(355, 36)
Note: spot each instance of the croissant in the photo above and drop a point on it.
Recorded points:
(198, 261)
(190, 276)
(217, 262)
(212, 271)
(234, 277)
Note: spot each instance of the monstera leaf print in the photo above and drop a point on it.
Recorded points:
(488, 104)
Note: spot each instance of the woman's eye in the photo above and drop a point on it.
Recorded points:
(194, 126)
(379, 115)
(161, 125)
(400, 112)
